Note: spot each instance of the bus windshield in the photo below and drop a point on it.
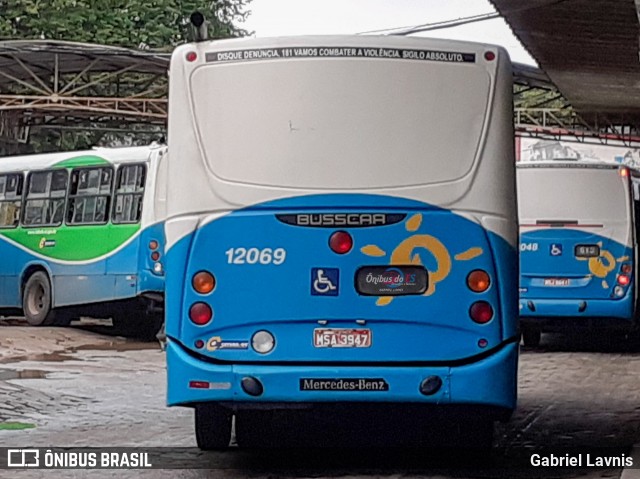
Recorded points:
(395, 132)
(572, 194)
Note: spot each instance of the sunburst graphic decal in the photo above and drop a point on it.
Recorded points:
(405, 254)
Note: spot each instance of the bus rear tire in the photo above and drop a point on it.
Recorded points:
(531, 336)
(212, 426)
(36, 300)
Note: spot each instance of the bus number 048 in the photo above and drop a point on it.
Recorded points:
(255, 255)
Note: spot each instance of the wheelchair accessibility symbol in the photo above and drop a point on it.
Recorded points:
(555, 249)
(325, 281)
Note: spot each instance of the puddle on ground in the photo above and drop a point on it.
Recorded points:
(55, 356)
(6, 374)
(118, 346)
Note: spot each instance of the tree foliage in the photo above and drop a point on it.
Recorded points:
(157, 24)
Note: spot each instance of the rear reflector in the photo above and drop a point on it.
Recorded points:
(199, 384)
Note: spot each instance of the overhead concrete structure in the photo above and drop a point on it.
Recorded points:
(589, 50)
(65, 85)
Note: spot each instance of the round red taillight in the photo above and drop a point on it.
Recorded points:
(155, 256)
(481, 312)
(341, 242)
(200, 313)
(191, 56)
(199, 344)
(623, 280)
(153, 245)
(489, 56)
(626, 268)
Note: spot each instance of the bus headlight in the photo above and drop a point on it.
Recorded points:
(263, 342)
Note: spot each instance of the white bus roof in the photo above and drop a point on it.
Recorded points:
(45, 160)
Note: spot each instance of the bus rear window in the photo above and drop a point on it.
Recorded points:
(343, 123)
(577, 195)
(127, 203)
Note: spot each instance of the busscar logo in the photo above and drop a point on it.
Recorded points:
(23, 458)
(329, 220)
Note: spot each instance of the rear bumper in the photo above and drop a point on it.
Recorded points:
(532, 308)
(488, 382)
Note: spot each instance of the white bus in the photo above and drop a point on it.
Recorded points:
(336, 234)
(81, 233)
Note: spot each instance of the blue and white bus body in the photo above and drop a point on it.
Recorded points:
(104, 269)
(286, 142)
(577, 246)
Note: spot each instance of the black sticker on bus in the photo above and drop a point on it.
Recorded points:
(339, 52)
(331, 220)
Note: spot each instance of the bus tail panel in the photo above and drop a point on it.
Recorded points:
(374, 280)
(570, 272)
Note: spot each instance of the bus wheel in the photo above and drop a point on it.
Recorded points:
(531, 336)
(213, 426)
(36, 300)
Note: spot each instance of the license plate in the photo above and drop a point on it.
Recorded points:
(393, 280)
(556, 282)
(342, 338)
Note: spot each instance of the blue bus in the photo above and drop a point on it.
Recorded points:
(335, 232)
(81, 234)
(577, 247)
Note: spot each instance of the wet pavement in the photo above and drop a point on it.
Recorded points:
(72, 387)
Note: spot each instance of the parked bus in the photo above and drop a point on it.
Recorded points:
(577, 247)
(80, 235)
(341, 230)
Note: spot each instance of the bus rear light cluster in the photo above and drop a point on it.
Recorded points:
(200, 313)
(481, 312)
(478, 281)
(203, 282)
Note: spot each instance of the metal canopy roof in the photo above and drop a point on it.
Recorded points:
(46, 57)
(589, 49)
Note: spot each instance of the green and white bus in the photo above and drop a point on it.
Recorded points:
(81, 234)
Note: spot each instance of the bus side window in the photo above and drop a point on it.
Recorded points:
(10, 199)
(89, 196)
(127, 204)
(46, 195)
